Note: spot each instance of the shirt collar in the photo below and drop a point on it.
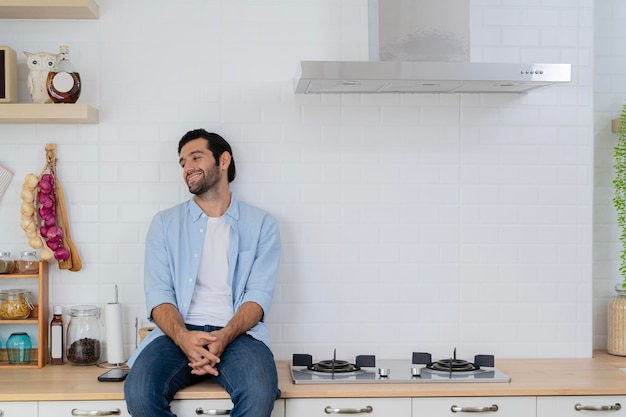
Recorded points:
(195, 212)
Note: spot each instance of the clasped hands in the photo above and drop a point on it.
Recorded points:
(204, 350)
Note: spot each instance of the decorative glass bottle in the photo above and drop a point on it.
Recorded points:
(63, 82)
(57, 342)
(616, 344)
(83, 336)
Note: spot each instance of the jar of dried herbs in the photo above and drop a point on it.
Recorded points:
(27, 263)
(7, 264)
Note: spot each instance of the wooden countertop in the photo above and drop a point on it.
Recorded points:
(529, 377)
(535, 377)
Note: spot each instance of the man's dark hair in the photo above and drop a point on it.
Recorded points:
(215, 143)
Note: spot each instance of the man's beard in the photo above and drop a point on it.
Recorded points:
(208, 180)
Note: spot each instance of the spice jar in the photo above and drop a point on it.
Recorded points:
(6, 263)
(617, 323)
(15, 304)
(27, 263)
(18, 348)
(83, 335)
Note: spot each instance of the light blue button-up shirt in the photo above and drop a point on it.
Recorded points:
(173, 248)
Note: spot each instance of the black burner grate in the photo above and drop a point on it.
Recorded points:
(453, 365)
(333, 366)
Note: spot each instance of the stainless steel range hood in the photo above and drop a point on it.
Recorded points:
(424, 47)
(426, 77)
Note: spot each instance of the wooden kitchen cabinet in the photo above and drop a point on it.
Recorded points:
(38, 319)
(18, 409)
(596, 405)
(189, 408)
(370, 407)
(497, 406)
(83, 408)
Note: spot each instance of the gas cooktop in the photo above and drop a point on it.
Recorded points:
(366, 369)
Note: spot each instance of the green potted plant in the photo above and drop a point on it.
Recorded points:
(616, 344)
(619, 191)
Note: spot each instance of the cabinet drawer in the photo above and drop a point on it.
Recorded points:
(19, 409)
(472, 406)
(368, 407)
(187, 408)
(82, 408)
(579, 406)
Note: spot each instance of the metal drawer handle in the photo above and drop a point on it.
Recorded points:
(331, 410)
(457, 409)
(202, 412)
(114, 412)
(580, 407)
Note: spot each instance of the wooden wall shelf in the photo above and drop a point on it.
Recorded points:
(49, 9)
(37, 319)
(48, 113)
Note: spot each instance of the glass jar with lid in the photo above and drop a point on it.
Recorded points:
(6, 263)
(83, 335)
(19, 348)
(27, 263)
(15, 304)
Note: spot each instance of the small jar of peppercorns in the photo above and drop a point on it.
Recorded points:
(83, 335)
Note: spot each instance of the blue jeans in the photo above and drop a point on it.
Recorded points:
(247, 372)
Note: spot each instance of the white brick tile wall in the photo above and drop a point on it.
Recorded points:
(441, 221)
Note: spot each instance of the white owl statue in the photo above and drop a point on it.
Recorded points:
(39, 66)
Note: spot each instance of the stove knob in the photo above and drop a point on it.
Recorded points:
(415, 372)
(383, 372)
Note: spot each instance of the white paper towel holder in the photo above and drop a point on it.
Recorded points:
(114, 333)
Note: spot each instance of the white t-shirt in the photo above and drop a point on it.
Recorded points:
(212, 301)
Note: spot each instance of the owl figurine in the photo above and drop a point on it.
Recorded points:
(39, 65)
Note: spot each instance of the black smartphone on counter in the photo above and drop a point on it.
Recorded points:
(114, 375)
